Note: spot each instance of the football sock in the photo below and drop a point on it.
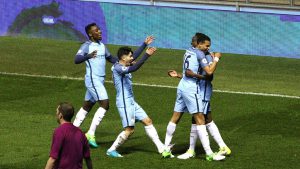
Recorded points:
(96, 120)
(203, 135)
(152, 133)
(169, 134)
(215, 133)
(193, 137)
(80, 116)
(119, 141)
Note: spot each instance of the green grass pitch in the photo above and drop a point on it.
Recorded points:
(262, 131)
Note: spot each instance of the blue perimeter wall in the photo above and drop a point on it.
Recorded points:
(127, 24)
(231, 32)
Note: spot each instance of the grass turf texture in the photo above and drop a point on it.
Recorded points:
(234, 72)
(263, 132)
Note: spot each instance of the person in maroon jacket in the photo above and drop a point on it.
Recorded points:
(69, 144)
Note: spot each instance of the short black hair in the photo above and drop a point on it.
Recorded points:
(67, 111)
(201, 37)
(125, 50)
(88, 28)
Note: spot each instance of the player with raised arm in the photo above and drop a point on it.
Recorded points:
(188, 94)
(130, 112)
(94, 53)
(206, 93)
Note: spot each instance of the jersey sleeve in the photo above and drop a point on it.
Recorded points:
(83, 50)
(121, 69)
(107, 53)
(81, 55)
(139, 51)
(202, 59)
(109, 57)
(209, 59)
(56, 146)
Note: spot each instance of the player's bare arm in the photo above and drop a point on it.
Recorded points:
(211, 68)
(190, 73)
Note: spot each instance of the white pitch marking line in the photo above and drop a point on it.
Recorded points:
(151, 85)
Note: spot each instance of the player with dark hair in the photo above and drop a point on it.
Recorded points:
(94, 53)
(206, 94)
(129, 110)
(69, 144)
(188, 93)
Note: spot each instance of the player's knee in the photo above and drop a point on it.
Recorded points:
(148, 121)
(104, 104)
(208, 118)
(129, 131)
(199, 118)
(175, 118)
(193, 120)
(87, 106)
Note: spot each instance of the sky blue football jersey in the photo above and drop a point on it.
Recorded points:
(123, 84)
(193, 59)
(206, 85)
(95, 67)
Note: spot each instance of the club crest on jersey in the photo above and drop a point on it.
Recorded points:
(124, 68)
(204, 61)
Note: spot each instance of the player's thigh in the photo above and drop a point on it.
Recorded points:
(176, 117)
(98, 92)
(141, 115)
(127, 115)
(193, 102)
(180, 105)
(208, 118)
(199, 118)
(89, 97)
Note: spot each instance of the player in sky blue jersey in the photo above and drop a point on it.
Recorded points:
(188, 94)
(94, 53)
(130, 112)
(206, 93)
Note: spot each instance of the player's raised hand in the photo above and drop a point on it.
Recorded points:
(217, 54)
(172, 73)
(93, 54)
(150, 51)
(149, 40)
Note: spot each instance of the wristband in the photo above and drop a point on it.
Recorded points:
(216, 59)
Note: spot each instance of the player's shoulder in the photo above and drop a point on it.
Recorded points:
(209, 58)
(88, 42)
(101, 43)
(85, 44)
(199, 53)
(119, 67)
(191, 49)
(196, 51)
